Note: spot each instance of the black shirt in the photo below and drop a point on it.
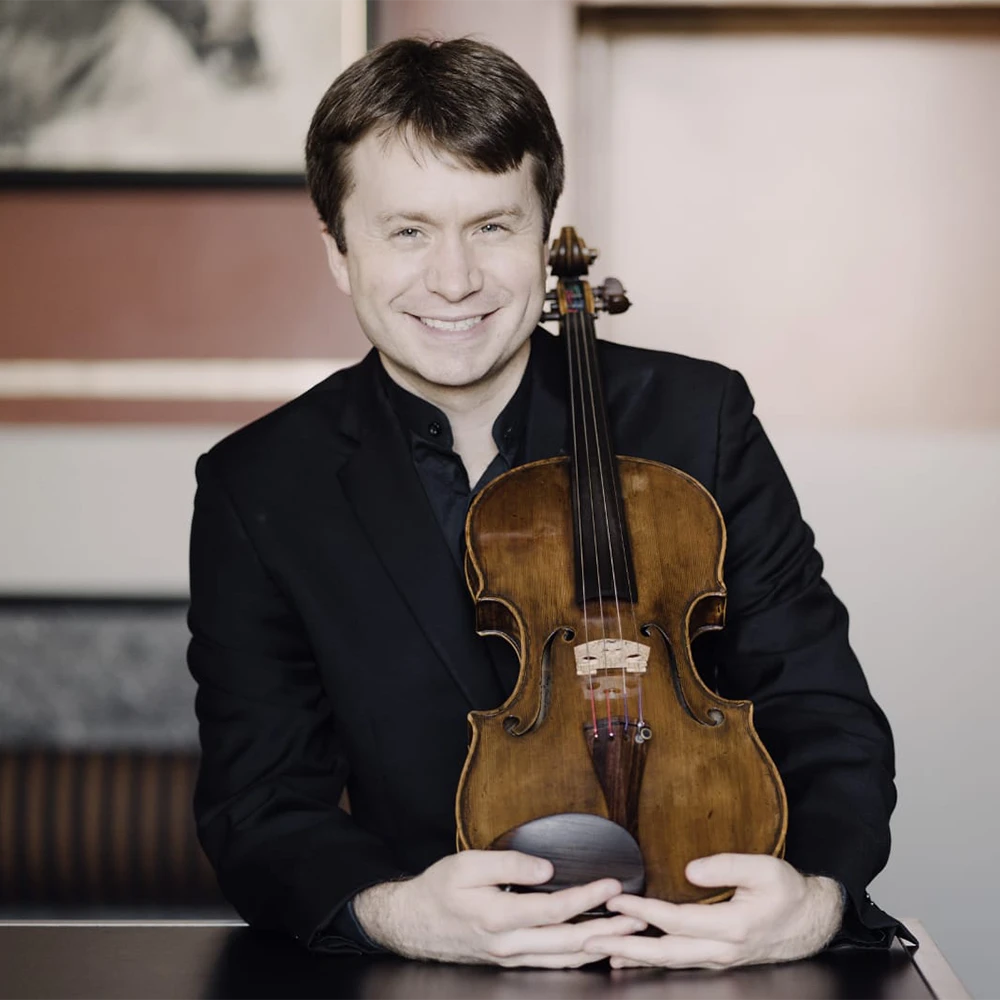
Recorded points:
(440, 469)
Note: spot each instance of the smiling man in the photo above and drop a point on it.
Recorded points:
(333, 638)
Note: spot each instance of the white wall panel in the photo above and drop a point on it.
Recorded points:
(821, 211)
(97, 510)
(906, 522)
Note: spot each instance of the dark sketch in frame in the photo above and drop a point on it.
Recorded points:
(138, 92)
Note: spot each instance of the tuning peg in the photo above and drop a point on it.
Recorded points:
(550, 311)
(611, 296)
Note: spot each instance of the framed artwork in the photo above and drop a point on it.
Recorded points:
(195, 88)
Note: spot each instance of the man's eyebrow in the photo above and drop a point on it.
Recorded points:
(513, 212)
(384, 218)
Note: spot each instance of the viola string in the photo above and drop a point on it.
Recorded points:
(591, 345)
(579, 529)
(576, 328)
(641, 720)
(622, 528)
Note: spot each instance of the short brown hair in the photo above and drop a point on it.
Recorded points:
(461, 96)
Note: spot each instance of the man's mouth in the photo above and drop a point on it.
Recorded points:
(451, 325)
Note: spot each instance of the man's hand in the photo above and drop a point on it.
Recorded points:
(456, 912)
(775, 915)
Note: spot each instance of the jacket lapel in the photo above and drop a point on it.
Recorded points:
(547, 424)
(388, 498)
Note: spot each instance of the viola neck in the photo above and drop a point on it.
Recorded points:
(603, 558)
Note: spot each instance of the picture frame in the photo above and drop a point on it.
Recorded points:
(167, 92)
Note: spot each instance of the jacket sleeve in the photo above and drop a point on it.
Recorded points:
(785, 647)
(272, 771)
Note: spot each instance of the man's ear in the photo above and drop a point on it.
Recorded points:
(337, 261)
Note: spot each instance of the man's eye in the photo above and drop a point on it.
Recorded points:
(408, 232)
(493, 227)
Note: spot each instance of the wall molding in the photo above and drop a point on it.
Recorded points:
(165, 378)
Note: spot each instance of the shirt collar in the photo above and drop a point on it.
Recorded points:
(427, 424)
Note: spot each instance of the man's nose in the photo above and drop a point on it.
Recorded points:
(452, 270)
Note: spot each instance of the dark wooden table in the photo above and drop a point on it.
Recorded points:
(159, 959)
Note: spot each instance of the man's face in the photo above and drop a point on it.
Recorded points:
(446, 265)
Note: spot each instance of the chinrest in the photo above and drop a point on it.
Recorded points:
(582, 848)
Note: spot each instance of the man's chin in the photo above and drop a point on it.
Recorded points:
(450, 373)
(454, 380)
(454, 372)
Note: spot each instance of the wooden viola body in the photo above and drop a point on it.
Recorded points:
(699, 781)
(610, 756)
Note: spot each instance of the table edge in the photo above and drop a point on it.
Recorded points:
(933, 966)
(122, 923)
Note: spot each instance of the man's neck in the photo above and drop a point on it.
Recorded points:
(471, 410)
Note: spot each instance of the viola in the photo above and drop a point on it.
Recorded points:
(611, 757)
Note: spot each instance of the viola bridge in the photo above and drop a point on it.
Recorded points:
(621, 655)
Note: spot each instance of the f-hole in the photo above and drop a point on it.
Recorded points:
(512, 724)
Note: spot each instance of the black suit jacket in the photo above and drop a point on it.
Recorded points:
(333, 639)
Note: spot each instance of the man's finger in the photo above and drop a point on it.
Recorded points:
(748, 870)
(538, 909)
(563, 938)
(629, 963)
(479, 868)
(560, 961)
(717, 922)
(670, 951)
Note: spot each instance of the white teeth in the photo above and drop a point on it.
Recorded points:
(455, 326)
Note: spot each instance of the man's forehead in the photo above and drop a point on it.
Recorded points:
(422, 150)
(402, 148)
(511, 193)
(393, 142)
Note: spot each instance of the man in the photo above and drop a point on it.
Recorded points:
(333, 637)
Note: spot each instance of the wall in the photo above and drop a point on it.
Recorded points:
(906, 521)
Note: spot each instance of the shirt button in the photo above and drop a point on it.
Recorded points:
(434, 428)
